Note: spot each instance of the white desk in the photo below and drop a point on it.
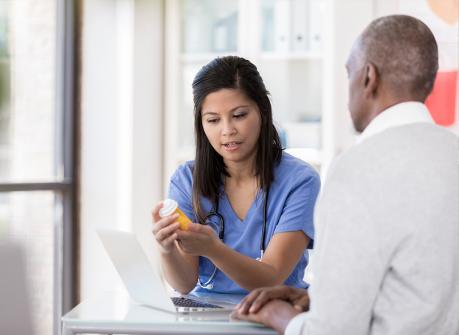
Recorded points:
(117, 314)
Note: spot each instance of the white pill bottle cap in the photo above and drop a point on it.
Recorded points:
(169, 207)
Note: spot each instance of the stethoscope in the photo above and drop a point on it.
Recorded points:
(209, 285)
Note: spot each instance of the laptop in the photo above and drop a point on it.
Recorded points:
(144, 283)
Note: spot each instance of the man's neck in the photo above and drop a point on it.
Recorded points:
(382, 104)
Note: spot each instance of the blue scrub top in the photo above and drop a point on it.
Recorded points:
(292, 196)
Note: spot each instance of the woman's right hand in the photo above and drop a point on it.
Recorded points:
(164, 229)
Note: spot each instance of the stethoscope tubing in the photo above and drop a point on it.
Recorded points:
(221, 234)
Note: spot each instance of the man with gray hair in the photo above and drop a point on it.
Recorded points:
(387, 223)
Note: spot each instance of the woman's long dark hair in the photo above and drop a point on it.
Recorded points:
(209, 169)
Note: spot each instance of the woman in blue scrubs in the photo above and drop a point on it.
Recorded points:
(252, 202)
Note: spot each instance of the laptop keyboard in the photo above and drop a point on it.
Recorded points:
(185, 302)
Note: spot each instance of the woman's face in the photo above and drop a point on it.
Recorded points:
(232, 124)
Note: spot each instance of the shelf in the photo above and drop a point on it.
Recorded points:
(306, 55)
(309, 155)
(203, 57)
(206, 57)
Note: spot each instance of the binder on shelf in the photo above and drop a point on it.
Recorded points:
(282, 25)
(299, 21)
(297, 25)
(315, 18)
(224, 33)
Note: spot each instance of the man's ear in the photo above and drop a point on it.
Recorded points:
(371, 83)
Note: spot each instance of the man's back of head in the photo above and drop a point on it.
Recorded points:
(394, 60)
(405, 52)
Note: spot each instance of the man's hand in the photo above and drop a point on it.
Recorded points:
(275, 314)
(255, 300)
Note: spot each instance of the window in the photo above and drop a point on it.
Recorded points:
(36, 135)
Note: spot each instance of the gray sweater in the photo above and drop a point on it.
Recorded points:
(387, 258)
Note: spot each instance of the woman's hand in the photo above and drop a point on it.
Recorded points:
(165, 229)
(197, 240)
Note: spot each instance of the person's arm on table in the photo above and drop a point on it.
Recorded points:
(292, 235)
(274, 307)
(275, 314)
(255, 300)
(248, 273)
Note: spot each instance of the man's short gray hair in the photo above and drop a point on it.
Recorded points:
(404, 51)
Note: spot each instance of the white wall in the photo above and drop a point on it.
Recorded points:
(123, 136)
(385, 7)
(122, 117)
(347, 20)
(121, 128)
(148, 143)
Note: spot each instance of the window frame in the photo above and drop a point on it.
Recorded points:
(65, 184)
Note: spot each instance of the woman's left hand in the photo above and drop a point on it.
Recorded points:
(197, 240)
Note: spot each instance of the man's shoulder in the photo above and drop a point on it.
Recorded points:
(413, 138)
(398, 148)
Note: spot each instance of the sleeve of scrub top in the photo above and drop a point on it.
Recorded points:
(180, 188)
(298, 212)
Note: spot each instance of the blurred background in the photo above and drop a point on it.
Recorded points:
(96, 112)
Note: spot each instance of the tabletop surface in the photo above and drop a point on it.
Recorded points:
(115, 310)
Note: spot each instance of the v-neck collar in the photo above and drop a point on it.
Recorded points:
(232, 212)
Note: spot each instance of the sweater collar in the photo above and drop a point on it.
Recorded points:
(401, 114)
